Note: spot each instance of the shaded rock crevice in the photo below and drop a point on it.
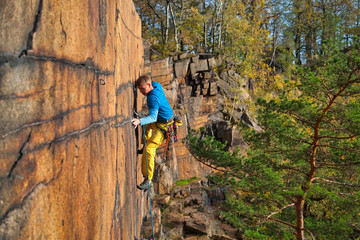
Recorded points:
(118, 13)
(115, 219)
(55, 118)
(62, 28)
(21, 153)
(88, 64)
(29, 44)
(102, 23)
(78, 132)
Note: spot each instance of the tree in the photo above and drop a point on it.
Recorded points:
(301, 173)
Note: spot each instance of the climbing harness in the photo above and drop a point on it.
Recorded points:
(147, 168)
(171, 132)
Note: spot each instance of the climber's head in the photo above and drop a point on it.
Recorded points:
(144, 85)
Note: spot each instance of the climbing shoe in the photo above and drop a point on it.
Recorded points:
(144, 185)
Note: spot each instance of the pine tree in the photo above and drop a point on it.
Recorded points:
(301, 173)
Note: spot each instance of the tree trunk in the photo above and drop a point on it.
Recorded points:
(299, 209)
(298, 44)
(309, 38)
(167, 21)
(175, 29)
(221, 4)
(204, 27)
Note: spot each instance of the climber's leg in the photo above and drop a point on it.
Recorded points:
(152, 144)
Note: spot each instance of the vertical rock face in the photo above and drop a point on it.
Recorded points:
(68, 167)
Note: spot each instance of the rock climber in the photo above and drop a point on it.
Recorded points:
(160, 116)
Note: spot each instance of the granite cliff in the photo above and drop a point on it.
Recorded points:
(68, 153)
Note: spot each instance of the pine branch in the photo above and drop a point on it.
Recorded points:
(339, 148)
(350, 94)
(326, 87)
(290, 205)
(356, 80)
(280, 221)
(335, 182)
(338, 165)
(294, 169)
(301, 119)
(339, 138)
(291, 225)
(298, 140)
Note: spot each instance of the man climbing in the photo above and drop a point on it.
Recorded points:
(160, 116)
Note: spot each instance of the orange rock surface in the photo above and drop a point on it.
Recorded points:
(68, 163)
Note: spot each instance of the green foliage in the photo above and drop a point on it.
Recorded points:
(307, 153)
(183, 182)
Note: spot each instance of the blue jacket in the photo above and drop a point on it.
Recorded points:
(159, 107)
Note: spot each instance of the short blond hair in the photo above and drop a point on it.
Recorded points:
(143, 79)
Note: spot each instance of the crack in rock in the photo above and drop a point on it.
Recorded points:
(15, 219)
(29, 44)
(21, 154)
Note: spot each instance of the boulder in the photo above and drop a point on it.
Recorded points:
(199, 66)
(197, 198)
(176, 205)
(190, 210)
(196, 223)
(162, 70)
(181, 68)
(173, 219)
(195, 59)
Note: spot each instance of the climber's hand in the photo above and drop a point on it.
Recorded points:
(135, 122)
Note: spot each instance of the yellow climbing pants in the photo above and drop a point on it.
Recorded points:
(154, 138)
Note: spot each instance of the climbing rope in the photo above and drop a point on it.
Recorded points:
(147, 168)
